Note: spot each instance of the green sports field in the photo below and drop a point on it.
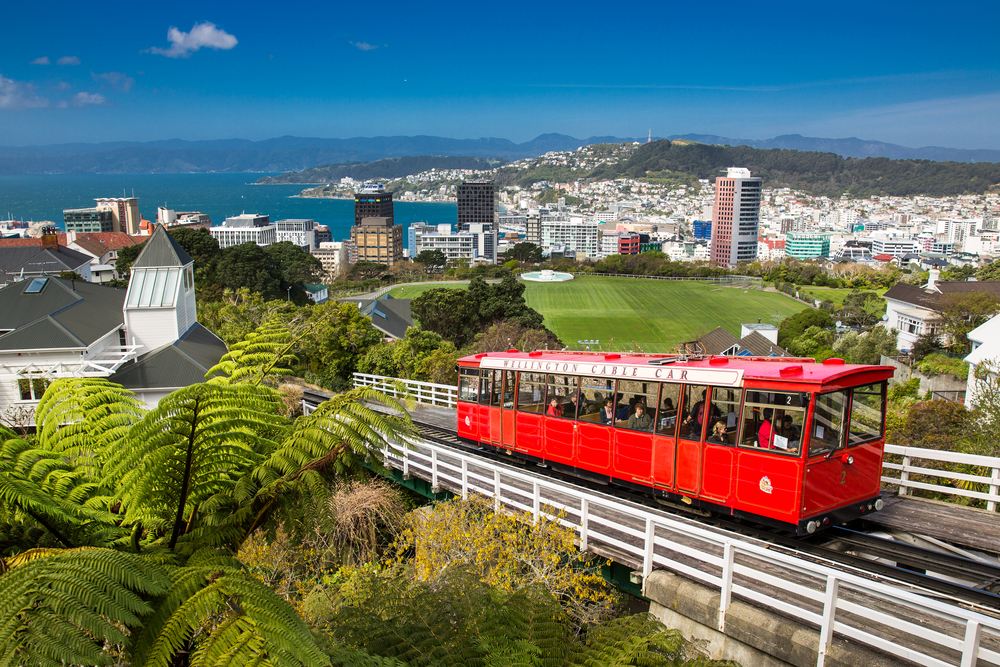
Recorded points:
(656, 315)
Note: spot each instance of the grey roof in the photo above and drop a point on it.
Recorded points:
(759, 346)
(928, 298)
(718, 341)
(37, 260)
(179, 364)
(66, 313)
(390, 316)
(162, 250)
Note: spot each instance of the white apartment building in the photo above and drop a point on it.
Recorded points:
(454, 245)
(609, 243)
(576, 234)
(245, 228)
(298, 231)
(894, 245)
(333, 255)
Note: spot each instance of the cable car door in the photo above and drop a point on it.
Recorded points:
(507, 421)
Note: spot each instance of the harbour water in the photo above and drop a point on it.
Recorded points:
(43, 197)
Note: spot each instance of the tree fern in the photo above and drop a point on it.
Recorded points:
(259, 357)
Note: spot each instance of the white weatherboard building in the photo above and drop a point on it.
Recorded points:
(146, 338)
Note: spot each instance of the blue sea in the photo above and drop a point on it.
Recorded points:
(43, 197)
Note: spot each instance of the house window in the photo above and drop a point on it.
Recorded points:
(910, 325)
(32, 388)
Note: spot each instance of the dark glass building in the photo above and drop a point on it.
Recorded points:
(478, 202)
(372, 201)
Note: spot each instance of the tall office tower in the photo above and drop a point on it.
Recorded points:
(478, 202)
(735, 218)
(88, 220)
(125, 211)
(372, 201)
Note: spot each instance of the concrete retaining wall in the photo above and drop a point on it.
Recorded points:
(904, 372)
(753, 637)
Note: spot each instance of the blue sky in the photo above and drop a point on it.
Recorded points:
(911, 73)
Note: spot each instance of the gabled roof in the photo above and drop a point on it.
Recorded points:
(161, 250)
(36, 260)
(18, 242)
(179, 364)
(928, 298)
(760, 346)
(98, 243)
(719, 341)
(65, 313)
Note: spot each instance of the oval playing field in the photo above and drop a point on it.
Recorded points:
(655, 315)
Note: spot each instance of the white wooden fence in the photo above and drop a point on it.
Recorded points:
(428, 393)
(920, 629)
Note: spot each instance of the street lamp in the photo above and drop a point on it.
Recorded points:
(289, 293)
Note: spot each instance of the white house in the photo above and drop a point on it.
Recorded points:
(985, 355)
(146, 338)
(913, 310)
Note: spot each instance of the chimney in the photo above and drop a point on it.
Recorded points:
(933, 276)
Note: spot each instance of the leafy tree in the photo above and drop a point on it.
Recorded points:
(868, 347)
(296, 266)
(162, 500)
(250, 266)
(526, 253)
(366, 270)
(433, 260)
(863, 309)
(794, 326)
(509, 334)
(989, 271)
(980, 436)
(447, 312)
(961, 312)
(813, 342)
(925, 344)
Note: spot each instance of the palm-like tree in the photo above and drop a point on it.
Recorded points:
(118, 526)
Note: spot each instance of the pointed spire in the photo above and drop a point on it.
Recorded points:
(161, 250)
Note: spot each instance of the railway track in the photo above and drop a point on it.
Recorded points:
(839, 547)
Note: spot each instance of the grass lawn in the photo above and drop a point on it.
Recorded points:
(413, 291)
(836, 294)
(656, 315)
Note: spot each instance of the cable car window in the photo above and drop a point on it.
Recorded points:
(531, 393)
(666, 418)
(722, 429)
(697, 410)
(508, 390)
(497, 385)
(827, 432)
(867, 413)
(561, 398)
(468, 385)
(485, 386)
(594, 396)
(637, 405)
(774, 421)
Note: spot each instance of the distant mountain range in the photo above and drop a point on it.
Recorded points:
(285, 154)
(852, 147)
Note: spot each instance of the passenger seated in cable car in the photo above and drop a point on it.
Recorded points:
(699, 412)
(640, 421)
(608, 412)
(555, 410)
(765, 435)
(719, 433)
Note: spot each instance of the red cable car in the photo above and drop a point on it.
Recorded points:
(788, 442)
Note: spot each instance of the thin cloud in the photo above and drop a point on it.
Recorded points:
(44, 60)
(62, 85)
(15, 95)
(365, 46)
(68, 60)
(202, 35)
(117, 80)
(87, 99)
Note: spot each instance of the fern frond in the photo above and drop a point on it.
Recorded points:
(257, 358)
(62, 606)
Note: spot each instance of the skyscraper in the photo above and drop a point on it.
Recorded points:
(735, 217)
(479, 204)
(372, 201)
(125, 212)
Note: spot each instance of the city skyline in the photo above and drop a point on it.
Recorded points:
(885, 72)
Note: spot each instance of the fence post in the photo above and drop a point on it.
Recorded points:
(726, 596)
(970, 649)
(829, 618)
(647, 558)
(904, 475)
(434, 472)
(406, 463)
(465, 479)
(584, 522)
(536, 501)
(994, 488)
(496, 489)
